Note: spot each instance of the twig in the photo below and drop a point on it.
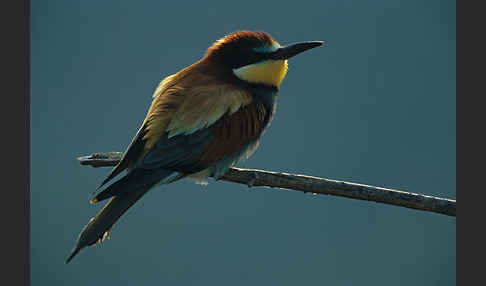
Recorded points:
(313, 185)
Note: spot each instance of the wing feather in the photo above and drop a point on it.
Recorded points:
(226, 138)
(183, 104)
(135, 150)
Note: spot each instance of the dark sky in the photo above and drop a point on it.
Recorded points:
(376, 105)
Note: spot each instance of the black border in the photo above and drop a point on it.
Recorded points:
(14, 210)
(470, 92)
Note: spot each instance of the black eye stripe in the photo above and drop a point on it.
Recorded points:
(252, 58)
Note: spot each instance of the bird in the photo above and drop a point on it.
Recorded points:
(203, 120)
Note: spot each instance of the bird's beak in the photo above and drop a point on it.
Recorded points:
(286, 52)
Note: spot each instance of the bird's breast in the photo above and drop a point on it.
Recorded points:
(239, 134)
(236, 136)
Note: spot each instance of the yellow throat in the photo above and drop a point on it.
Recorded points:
(270, 72)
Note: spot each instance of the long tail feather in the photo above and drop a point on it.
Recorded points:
(99, 226)
(125, 192)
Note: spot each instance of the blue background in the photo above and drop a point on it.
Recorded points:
(376, 105)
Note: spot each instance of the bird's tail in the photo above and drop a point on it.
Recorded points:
(99, 226)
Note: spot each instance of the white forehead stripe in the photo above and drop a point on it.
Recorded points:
(268, 48)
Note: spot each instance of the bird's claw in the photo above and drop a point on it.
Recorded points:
(252, 181)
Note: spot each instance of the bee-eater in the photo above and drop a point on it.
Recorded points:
(202, 121)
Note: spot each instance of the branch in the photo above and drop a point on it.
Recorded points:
(313, 185)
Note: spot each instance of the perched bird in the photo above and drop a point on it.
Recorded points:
(202, 121)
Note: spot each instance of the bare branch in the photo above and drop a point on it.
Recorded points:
(313, 185)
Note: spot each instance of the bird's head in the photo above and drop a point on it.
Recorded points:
(255, 57)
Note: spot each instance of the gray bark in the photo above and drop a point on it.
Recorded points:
(313, 185)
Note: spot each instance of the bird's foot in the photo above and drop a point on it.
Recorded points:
(252, 181)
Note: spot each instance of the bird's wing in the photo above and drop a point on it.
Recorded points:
(136, 147)
(194, 152)
(193, 122)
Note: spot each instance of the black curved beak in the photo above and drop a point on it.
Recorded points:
(286, 52)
